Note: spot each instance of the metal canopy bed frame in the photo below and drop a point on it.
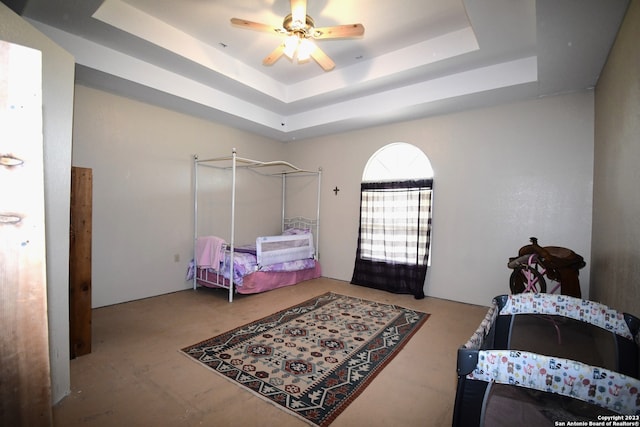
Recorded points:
(265, 168)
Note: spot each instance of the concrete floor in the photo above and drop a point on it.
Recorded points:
(136, 375)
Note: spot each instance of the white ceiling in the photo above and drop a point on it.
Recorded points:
(416, 58)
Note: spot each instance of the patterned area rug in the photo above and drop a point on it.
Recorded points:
(314, 358)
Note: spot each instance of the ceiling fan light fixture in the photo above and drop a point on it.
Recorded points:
(305, 49)
(290, 46)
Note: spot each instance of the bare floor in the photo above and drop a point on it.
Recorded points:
(136, 375)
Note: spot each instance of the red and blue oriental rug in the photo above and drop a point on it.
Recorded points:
(314, 358)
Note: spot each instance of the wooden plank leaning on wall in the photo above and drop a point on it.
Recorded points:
(80, 262)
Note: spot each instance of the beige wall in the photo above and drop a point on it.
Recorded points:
(57, 97)
(142, 161)
(501, 175)
(615, 269)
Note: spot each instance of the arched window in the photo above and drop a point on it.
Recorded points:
(396, 162)
(395, 220)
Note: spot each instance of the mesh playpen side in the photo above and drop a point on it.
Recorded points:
(489, 364)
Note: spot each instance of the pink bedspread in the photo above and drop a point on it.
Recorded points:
(262, 281)
(245, 263)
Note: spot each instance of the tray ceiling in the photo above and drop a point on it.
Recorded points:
(416, 58)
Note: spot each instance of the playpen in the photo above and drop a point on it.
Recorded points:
(539, 359)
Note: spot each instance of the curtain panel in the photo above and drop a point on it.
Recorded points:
(394, 236)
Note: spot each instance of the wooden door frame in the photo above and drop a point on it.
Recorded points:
(25, 375)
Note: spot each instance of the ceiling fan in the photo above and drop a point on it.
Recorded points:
(300, 31)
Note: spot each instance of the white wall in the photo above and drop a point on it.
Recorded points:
(141, 157)
(616, 219)
(501, 175)
(57, 95)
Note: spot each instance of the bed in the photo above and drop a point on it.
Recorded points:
(547, 359)
(271, 261)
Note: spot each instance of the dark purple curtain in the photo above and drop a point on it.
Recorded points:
(394, 236)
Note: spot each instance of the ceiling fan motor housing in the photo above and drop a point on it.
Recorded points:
(304, 30)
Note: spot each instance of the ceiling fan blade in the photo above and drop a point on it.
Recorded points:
(243, 23)
(299, 10)
(274, 56)
(322, 59)
(339, 31)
